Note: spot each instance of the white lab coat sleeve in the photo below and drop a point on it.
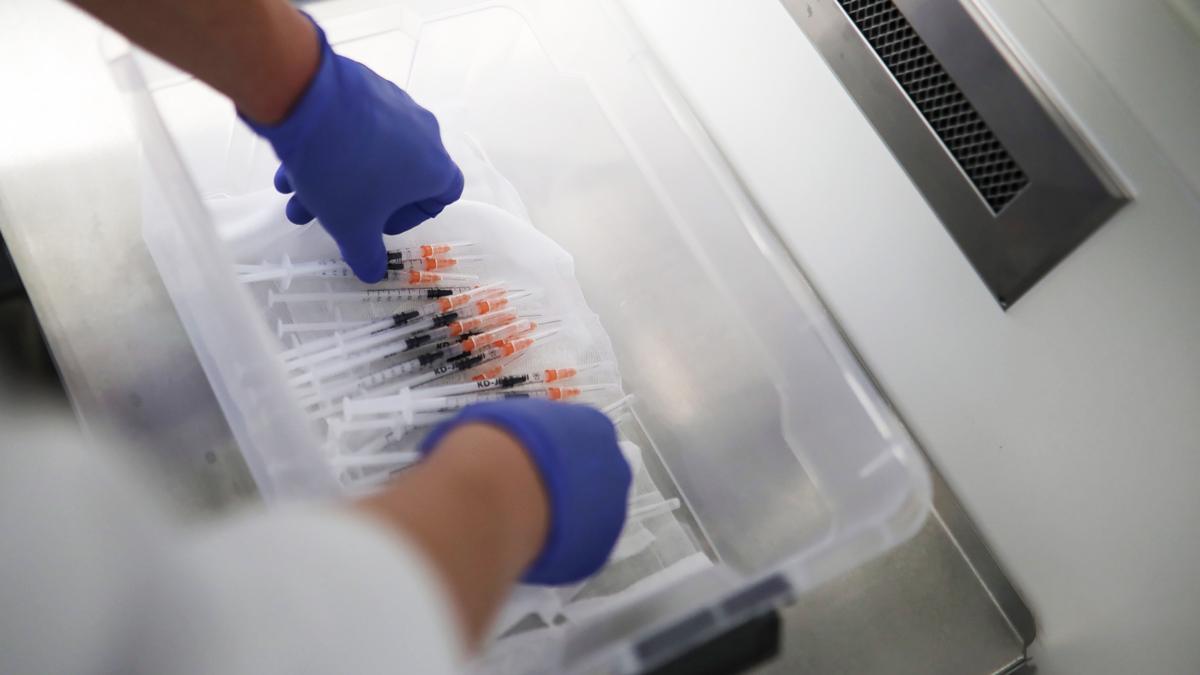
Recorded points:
(94, 579)
(300, 590)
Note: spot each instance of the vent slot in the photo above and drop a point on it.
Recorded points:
(989, 166)
(1013, 180)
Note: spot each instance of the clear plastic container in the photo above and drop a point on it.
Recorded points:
(750, 406)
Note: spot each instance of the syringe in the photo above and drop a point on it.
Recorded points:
(445, 351)
(503, 349)
(398, 458)
(446, 334)
(461, 319)
(447, 305)
(491, 372)
(426, 250)
(387, 331)
(443, 303)
(339, 427)
(464, 347)
(496, 368)
(395, 429)
(396, 432)
(430, 264)
(416, 278)
(286, 271)
(409, 413)
(410, 419)
(480, 323)
(376, 384)
(336, 267)
(505, 332)
(499, 351)
(332, 370)
(368, 296)
(507, 382)
(405, 403)
(409, 253)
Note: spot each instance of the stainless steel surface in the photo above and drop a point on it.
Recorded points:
(918, 609)
(69, 208)
(1070, 191)
(71, 215)
(953, 519)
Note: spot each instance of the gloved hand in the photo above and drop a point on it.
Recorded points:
(363, 158)
(586, 478)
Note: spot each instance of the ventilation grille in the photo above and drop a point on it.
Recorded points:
(987, 164)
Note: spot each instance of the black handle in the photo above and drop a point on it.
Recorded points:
(731, 636)
(734, 651)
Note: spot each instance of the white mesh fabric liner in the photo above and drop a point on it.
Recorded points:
(491, 215)
(517, 254)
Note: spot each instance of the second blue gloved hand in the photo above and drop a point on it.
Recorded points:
(586, 478)
(363, 158)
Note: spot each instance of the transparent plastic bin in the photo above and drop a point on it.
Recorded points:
(749, 405)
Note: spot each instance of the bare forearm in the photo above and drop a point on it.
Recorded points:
(259, 53)
(477, 509)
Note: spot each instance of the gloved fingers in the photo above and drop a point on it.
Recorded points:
(282, 184)
(406, 218)
(364, 252)
(412, 215)
(431, 207)
(297, 212)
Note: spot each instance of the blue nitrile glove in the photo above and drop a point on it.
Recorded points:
(574, 448)
(363, 158)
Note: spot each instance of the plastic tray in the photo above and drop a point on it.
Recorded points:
(749, 403)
